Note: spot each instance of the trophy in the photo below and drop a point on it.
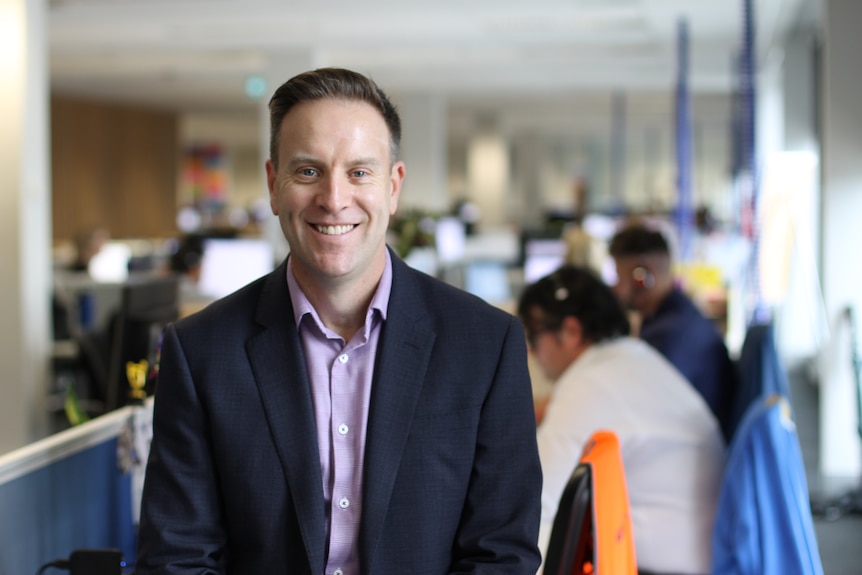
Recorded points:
(136, 372)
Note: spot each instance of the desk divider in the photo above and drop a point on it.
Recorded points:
(67, 492)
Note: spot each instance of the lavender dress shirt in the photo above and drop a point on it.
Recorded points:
(340, 374)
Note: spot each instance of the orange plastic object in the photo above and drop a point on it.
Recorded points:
(613, 538)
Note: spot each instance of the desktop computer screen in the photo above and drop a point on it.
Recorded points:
(450, 239)
(229, 264)
(148, 304)
(111, 263)
(489, 280)
(542, 256)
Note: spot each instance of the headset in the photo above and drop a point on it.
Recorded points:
(643, 278)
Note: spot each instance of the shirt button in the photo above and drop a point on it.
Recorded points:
(343, 358)
(343, 429)
(343, 503)
(338, 572)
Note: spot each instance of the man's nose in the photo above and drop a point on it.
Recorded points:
(334, 194)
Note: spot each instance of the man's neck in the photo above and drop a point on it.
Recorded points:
(659, 294)
(342, 305)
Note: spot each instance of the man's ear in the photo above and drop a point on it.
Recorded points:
(643, 278)
(396, 178)
(270, 183)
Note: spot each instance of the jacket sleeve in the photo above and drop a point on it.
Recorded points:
(499, 529)
(181, 530)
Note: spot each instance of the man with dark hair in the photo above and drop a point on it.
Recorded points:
(671, 446)
(345, 414)
(670, 321)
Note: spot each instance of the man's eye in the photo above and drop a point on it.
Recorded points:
(308, 172)
(359, 173)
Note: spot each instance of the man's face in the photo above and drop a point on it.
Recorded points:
(625, 287)
(634, 281)
(335, 189)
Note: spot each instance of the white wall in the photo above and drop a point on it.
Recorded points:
(842, 233)
(423, 149)
(25, 223)
(800, 318)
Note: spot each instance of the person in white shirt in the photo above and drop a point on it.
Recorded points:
(672, 448)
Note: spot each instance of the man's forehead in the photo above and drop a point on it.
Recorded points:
(316, 119)
(655, 262)
(357, 109)
(639, 259)
(629, 261)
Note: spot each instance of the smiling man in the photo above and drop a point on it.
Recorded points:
(345, 414)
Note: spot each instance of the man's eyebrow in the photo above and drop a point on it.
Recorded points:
(369, 161)
(302, 159)
(307, 159)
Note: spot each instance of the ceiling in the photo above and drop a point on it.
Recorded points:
(197, 54)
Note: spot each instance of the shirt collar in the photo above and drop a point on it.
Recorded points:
(379, 301)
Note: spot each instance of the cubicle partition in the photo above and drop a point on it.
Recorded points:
(67, 492)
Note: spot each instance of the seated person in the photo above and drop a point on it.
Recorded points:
(671, 446)
(186, 260)
(670, 321)
(88, 243)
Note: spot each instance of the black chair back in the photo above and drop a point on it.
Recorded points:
(571, 544)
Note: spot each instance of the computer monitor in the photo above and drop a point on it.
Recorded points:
(111, 263)
(229, 264)
(450, 239)
(489, 280)
(148, 304)
(542, 256)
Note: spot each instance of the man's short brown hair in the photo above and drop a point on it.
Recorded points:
(638, 240)
(333, 84)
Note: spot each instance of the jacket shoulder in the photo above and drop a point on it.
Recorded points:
(445, 303)
(228, 313)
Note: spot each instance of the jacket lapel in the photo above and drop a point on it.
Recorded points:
(276, 357)
(401, 364)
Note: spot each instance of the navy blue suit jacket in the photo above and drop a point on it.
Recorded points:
(452, 475)
(693, 345)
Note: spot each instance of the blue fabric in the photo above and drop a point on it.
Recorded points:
(763, 523)
(693, 345)
(760, 371)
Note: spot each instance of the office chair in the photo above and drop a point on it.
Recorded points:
(592, 530)
(570, 549)
(84, 369)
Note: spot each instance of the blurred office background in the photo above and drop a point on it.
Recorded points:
(734, 125)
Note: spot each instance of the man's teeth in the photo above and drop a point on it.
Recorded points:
(335, 230)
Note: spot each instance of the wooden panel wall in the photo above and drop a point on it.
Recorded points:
(113, 167)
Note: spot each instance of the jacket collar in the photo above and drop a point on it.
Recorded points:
(276, 358)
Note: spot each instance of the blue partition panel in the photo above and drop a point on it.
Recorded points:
(80, 501)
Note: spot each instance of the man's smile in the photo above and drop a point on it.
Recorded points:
(334, 230)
